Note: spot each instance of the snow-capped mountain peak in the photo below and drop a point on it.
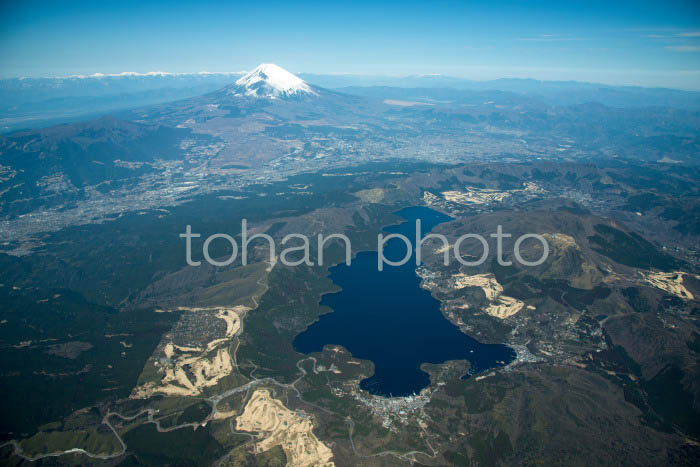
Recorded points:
(271, 81)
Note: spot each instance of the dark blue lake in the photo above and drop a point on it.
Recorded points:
(386, 317)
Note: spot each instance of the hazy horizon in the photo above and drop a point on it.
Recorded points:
(351, 75)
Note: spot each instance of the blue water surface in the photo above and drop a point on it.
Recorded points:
(386, 317)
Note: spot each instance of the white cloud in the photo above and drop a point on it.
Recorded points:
(684, 48)
(551, 38)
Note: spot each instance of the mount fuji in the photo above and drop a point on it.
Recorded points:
(272, 82)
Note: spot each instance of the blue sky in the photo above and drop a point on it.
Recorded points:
(646, 43)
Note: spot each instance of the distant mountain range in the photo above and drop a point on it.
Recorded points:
(549, 92)
(31, 102)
